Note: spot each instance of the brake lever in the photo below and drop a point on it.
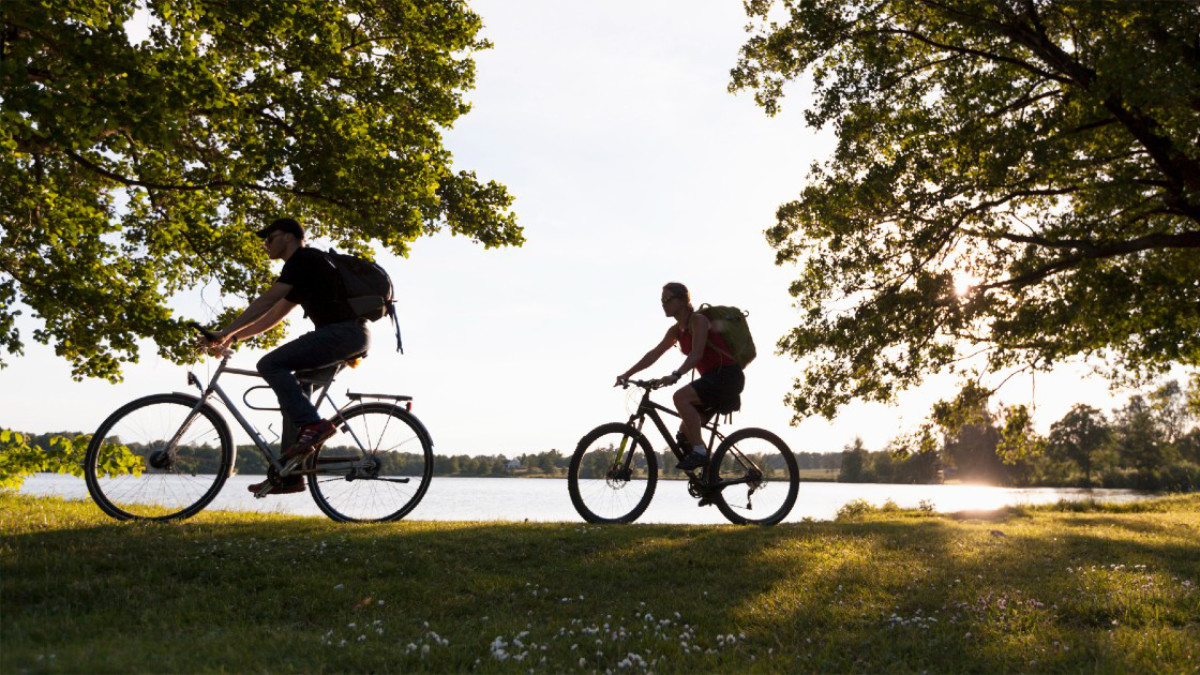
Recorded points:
(208, 335)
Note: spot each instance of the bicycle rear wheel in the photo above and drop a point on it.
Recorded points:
(158, 458)
(376, 467)
(605, 490)
(760, 475)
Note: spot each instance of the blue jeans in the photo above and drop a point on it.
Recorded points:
(323, 347)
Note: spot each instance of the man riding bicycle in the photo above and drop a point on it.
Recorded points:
(721, 379)
(310, 280)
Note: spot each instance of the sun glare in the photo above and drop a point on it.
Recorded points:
(964, 281)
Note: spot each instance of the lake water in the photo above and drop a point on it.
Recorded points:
(546, 500)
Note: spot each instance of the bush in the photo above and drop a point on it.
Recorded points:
(1182, 477)
(21, 458)
(855, 509)
(860, 507)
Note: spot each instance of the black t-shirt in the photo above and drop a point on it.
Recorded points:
(314, 281)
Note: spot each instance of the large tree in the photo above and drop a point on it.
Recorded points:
(1043, 152)
(1078, 436)
(133, 169)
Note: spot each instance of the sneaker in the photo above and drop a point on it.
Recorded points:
(291, 485)
(692, 460)
(310, 436)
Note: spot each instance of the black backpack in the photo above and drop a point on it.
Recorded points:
(366, 288)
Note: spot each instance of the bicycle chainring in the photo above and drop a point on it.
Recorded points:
(273, 476)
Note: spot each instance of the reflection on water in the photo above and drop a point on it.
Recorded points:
(546, 500)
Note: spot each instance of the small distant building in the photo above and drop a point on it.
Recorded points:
(513, 465)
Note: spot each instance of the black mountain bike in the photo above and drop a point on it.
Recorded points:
(166, 456)
(752, 476)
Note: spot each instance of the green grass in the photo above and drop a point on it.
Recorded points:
(1089, 588)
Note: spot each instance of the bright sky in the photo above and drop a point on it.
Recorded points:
(632, 166)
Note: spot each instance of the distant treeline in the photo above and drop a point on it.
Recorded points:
(1151, 443)
(548, 464)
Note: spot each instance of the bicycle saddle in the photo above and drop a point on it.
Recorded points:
(328, 372)
(708, 412)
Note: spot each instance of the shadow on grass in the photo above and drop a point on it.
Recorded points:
(905, 593)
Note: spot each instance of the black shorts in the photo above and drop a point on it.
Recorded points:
(720, 390)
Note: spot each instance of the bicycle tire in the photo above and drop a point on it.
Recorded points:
(779, 484)
(397, 453)
(599, 492)
(155, 486)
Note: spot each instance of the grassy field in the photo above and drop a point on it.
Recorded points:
(1094, 589)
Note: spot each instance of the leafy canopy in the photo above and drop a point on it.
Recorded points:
(1015, 183)
(21, 456)
(133, 171)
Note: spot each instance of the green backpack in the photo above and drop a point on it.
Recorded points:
(730, 322)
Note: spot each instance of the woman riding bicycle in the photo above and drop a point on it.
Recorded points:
(721, 379)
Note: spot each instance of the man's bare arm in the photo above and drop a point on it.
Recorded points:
(265, 322)
(257, 309)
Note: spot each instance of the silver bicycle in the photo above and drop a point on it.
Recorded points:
(167, 456)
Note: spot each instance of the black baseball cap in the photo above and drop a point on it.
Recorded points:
(282, 225)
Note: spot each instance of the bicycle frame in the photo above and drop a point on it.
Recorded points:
(647, 408)
(207, 392)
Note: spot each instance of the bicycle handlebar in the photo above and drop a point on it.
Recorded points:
(208, 335)
(644, 384)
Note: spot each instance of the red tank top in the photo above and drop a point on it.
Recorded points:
(716, 352)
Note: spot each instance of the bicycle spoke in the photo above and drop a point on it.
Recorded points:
(391, 465)
(132, 472)
(605, 490)
(760, 477)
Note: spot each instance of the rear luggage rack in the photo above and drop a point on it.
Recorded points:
(394, 397)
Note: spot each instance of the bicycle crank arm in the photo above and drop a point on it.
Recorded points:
(735, 481)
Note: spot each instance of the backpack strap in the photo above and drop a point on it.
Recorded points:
(396, 323)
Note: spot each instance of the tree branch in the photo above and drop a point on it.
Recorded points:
(967, 50)
(1023, 102)
(201, 186)
(1177, 166)
(1090, 251)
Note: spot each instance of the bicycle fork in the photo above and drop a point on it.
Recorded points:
(625, 440)
(164, 458)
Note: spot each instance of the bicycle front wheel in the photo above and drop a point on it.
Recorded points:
(376, 467)
(161, 457)
(757, 477)
(612, 475)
